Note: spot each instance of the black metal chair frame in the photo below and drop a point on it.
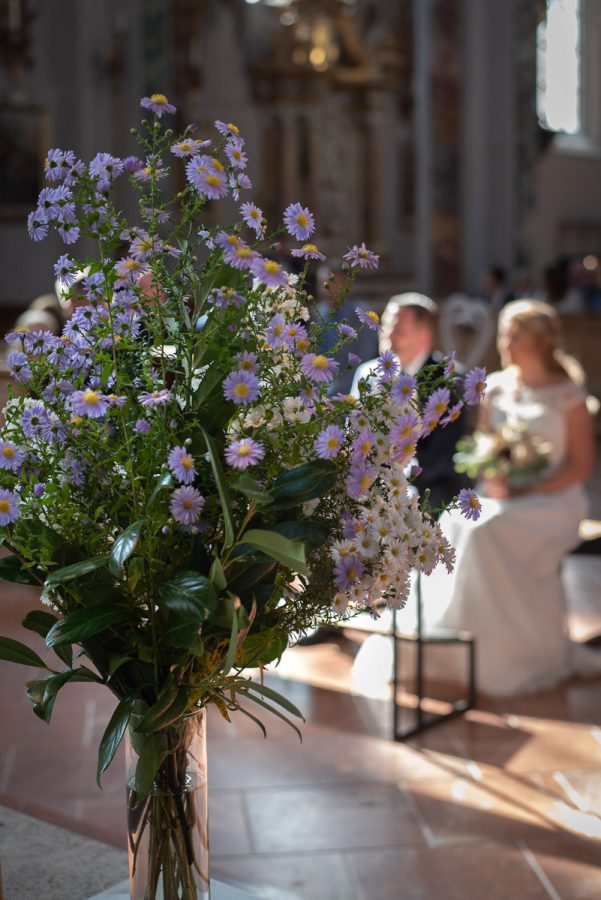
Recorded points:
(424, 719)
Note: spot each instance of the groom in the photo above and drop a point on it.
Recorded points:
(408, 324)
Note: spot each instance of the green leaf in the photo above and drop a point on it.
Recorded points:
(311, 534)
(251, 488)
(275, 697)
(11, 569)
(115, 663)
(113, 735)
(213, 377)
(171, 703)
(289, 553)
(304, 483)
(41, 622)
(228, 662)
(76, 570)
(135, 571)
(165, 482)
(84, 674)
(226, 506)
(15, 651)
(189, 593)
(217, 575)
(124, 546)
(84, 623)
(274, 712)
(152, 754)
(262, 648)
(42, 692)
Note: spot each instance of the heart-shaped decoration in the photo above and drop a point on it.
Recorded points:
(467, 327)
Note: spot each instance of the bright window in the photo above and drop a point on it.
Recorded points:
(558, 67)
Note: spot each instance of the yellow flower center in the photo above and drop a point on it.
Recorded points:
(254, 214)
(353, 573)
(213, 180)
(365, 482)
(185, 146)
(159, 98)
(76, 420)
(233, 239)
(233, 128)
(187, 462)
(301, 220)
(373, 316)
(187, 504)
(8, 452)
(320, 362)
(217, 165)
(243, 450)
(333, 444)
(310, 248)
(4, 506)
(241, 390)
(91, 397)
(407, 431)
(277, 330)
(272, 268)
(302, 344)
(440, 407)
(474, 503)
(132, 264)
(244, 253)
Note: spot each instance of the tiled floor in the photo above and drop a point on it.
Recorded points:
(504, 802)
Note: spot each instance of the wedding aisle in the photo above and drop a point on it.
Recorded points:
(504, 802)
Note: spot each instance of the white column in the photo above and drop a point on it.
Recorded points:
(423, 138)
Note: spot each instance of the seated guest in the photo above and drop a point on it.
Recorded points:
(506, 588)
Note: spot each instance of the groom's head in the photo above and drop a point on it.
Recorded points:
(408, 323)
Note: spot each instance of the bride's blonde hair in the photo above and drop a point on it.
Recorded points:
(541, 322)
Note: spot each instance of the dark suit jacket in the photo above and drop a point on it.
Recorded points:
(435, 456)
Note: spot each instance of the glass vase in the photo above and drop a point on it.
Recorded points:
(167, 821)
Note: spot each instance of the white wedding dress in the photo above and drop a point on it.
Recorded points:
(506, 588)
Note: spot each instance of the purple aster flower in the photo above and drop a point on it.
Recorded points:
(224, 297)
(350, 526)
(244, 182)
(452, 415)
(269, 272)
(359, 480)
(347, 571)
(152, 169)
(65, 270)
(151, 399)
(9, 507)
(19, 366)
(403, 389)
(296, 334)
(207, 175)
(235, 152)
(38, 342)
(362, 257)
(89, 403)
(105, 168)
(186, 505)
(388, 365)
(318, 367)
(227, 240)
(37, 225)
(158, 104)
(329, 441)
(54, 165)
(144, 245)
(39, 489)
(474, 386)
(240, 257)
(227, 128)
(276, 335)
(76, 471)
(368, 317)
(11, 456)
(189, 147)
(243, 453)
(347, 332)
(241, 387)
(68, 232)
(182, 465)
(308, 251)
(437, 404)
(353, 360)
(34, 417)
(450, 366)
(247, 361)
(142, 426)
(75, 169)
(253, 217)
(469, 504)
(132, 164)
(362, 445)
(299, 221)
(53, 430)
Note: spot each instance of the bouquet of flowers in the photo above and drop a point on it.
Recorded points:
(174, 475)
(510, 450)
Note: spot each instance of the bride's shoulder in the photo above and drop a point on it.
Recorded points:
(501, 381)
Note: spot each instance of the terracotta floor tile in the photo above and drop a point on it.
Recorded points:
(331, 818)
(572, 867)
(492, 871)
(298, 876)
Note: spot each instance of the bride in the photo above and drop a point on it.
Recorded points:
(506, 588)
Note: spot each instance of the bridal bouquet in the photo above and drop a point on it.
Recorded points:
(510, 450)
(173, 473)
